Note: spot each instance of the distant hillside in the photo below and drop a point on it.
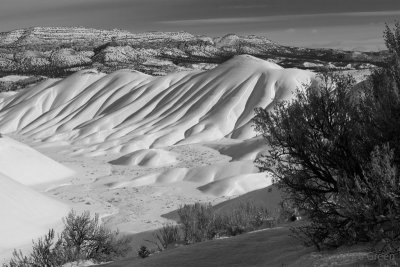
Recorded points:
(58, 51)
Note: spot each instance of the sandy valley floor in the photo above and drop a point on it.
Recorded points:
(129, 209)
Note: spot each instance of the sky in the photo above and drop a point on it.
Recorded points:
(346, 24)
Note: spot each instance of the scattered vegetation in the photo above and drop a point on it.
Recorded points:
(199, 222)
(334, 150)
(143, 252)
(168, 235)
(83, 238)
(14, 86)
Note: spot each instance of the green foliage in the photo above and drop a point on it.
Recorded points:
(196, 222)
(246, 217)
(42, 254)
(168, 235)
(143, 252)
(309, 142)
(392, 39)
(18, 260)
(335, 150)
(199, 222)
(83, 238)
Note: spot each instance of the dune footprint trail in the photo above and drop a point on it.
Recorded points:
(126, 111)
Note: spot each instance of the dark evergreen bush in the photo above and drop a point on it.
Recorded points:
(334, 150)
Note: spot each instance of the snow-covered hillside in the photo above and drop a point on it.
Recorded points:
(126, 111)
(134, 145)
(25, 214)
(27, 166)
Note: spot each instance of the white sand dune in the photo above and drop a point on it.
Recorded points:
(141, 145)
(147, 158)
(126, 111)
(25, 214)
(237, 185)
(224, 179)
(238, 150)
(4, 96)
(27, 166)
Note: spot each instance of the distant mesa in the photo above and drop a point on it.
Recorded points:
(59, 51)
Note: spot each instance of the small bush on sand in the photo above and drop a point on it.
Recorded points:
(168, 235)
(83, 238)
(18, 260)
(143, 252)
(196, 221)
(199, 222)
(246, 217)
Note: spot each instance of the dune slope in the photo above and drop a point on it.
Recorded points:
(147, 158)
(127, 110)
(25, 214)
(27, 166)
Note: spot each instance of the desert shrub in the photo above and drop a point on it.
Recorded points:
(43, 254)
(309, 144)
(18, 260)
(244, 218)
(83, 238)
(199, 222)
(143, 252)
(196, 221)
(168, 235)
(6, 86)
(78, 234)
(335, 151)
(234, 225)
(368, 213)
(286, 212)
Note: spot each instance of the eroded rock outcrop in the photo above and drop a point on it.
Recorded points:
(58, 51)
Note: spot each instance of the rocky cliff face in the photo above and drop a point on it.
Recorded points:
(58, 51)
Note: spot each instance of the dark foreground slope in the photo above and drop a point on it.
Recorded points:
(271, 247)
(267, 248)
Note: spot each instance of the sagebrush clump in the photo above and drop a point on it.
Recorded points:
(143, 252)
(200, 222)
(335, 151)
(83, 238)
